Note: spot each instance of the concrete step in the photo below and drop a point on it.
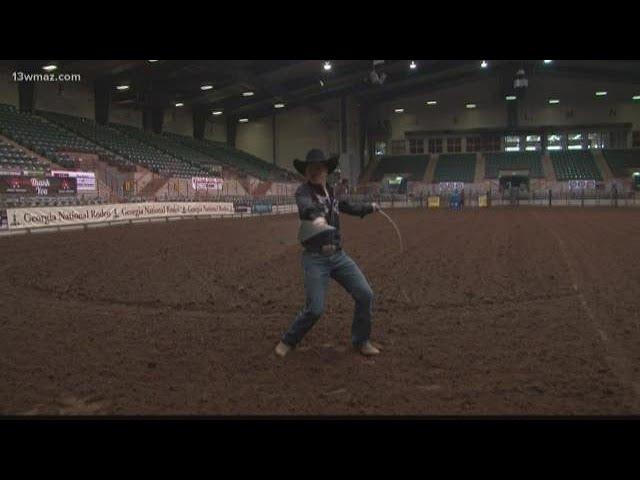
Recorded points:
(602, 164)
(547, 168)
(431, 168)
(480, 167)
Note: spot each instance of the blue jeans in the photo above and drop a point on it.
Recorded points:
(318, 268)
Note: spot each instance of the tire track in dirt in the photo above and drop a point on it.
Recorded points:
(617, 358)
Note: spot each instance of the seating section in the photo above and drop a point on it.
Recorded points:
(575, 165)
(40, 136)
(131, 149)
(172, 146)
(413, 165)
(532, 161)
(620, 161)
(220, 153)
(13, 159)
(455, 167)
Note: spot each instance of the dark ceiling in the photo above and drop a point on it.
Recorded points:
(298, 82)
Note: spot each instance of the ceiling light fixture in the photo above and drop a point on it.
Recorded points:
(50, 68)
(206, 87)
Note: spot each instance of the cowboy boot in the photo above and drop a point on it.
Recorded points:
(368, 349)
(282, 349)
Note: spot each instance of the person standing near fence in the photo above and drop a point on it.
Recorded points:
(323, 256)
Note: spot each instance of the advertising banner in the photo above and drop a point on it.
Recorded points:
(433, 202)
(206, 183)
(450, 186)
(582, 184)
(86, 181)
(41, 186)
(35, 217)
(262, 208)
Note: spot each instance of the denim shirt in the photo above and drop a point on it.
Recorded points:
(312, 204)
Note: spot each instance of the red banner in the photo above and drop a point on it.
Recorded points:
(40, 186)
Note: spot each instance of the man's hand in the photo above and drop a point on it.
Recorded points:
(375, 206)
(319, 221)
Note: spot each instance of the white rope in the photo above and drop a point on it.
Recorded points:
(406, 297)
(395, 227)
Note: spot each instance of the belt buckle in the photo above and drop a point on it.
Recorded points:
(328, 249)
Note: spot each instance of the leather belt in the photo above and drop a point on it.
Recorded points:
(328, 249)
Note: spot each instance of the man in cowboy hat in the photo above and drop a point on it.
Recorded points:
(323, 257)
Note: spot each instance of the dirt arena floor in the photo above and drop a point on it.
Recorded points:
(509, 311)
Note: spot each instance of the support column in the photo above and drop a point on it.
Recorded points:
(157, 119)
(199, 123)
(232, 130)
(146, 119)
(274, 137)
(102, 101)
(512, 113)
(26, 96)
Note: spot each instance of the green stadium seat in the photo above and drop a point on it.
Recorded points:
(455, 167)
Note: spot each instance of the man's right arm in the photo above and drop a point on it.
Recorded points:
(307, 209)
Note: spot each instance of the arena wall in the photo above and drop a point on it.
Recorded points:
(70, 98)
(303, 129)
(179, 121)
(297, 131)
(125, 115)
(215, 130)
(256, 137)
(578, 106)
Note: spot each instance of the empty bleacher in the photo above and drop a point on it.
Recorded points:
(221, 153)
(531, 161)
(455, 167)
(16, 160)
(40, 136)
(413, 165)
(574, 165)
(173, 147)
(126, 146)
(620, 161)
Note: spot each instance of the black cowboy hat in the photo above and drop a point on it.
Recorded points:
(315, 155)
